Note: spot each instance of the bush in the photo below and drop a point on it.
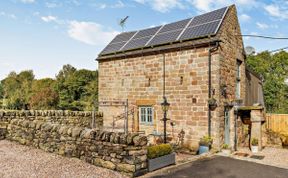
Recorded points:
(159, 150)
(254, 142)
(225, 146)
(206, 141)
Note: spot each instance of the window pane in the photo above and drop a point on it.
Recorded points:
(143, 115)
(146, 114)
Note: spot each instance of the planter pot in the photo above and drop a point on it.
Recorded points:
(213, 107)
(254, 149)
(226, 151)
(203, 149)
(161, 162)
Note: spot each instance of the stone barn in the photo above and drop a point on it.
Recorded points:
(198, 64)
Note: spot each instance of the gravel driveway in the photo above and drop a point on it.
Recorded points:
(18, 161)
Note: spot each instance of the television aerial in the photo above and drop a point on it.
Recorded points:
(249, 50)
(122, 22)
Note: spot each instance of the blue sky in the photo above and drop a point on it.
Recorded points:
(43, 35)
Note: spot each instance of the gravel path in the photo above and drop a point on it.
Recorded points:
(272, 156)
(18, 161)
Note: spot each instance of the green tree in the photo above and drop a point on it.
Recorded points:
(43, 95)
(274, 69)
(17, 89)
(1, 95)
(76, 88)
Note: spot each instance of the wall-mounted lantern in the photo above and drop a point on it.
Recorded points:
(165, 107)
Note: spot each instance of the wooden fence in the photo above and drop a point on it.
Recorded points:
(277, 122)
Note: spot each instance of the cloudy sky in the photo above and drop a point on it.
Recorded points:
(43, 35)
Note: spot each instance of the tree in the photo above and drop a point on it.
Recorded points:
(274, 69)
(44, 95)
(76, 88)
(17, 89)
(1, 95)
(73, 89)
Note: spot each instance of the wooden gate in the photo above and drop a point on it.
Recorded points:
(277, 122)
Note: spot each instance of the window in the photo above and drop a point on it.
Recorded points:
(146, 115)
(238, 79)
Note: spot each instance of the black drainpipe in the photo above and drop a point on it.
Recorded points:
(212, 49)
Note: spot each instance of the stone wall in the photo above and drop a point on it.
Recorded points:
(139, 78)
(72, 118)
(231, 50)
(116, 151)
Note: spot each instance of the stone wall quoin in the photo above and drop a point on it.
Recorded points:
(125, 153)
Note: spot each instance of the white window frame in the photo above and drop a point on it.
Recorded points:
(146, 115)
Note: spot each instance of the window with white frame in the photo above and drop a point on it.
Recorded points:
(146, 114)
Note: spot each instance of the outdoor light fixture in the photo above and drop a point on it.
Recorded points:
(165, 107)
(223, 90)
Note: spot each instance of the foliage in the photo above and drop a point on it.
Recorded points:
(225, 146)
(44, 95)
(254, 142)
(159, 150)
(71, 90)
(77, 88)
(17, 89)
(274, 70)
(212, 101)
(206, 141)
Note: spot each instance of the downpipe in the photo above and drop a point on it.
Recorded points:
(210, 51)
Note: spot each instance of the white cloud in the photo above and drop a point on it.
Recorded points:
(244, 18)
(11, 16)
(262, 25)
(49, 18)
(52, 5)
(163, 5)
(208, 5)
(118, 4)
(27, 1)
(276, 10)
(90, 33)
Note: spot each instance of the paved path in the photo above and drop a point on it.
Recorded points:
(224, 167)
(17, 161)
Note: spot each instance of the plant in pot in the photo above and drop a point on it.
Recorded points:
(160, 156)
(212, 102)
(205, 144)
(254, 145)
(226, 149)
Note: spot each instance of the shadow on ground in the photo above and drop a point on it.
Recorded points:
(224, 167)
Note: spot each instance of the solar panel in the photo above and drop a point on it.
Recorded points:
(174, 26)
(163, 38)
(112, 47)
(200, 30)
(188, 29)
(123, 37)
(146, 32)
(208, 17)
(136, 43)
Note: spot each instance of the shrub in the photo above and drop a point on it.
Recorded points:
(254, 142)
(159, 150)
(225, 146)
(206, 141)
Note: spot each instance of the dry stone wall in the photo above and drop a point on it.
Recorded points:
(73, 118)
(125, 153)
